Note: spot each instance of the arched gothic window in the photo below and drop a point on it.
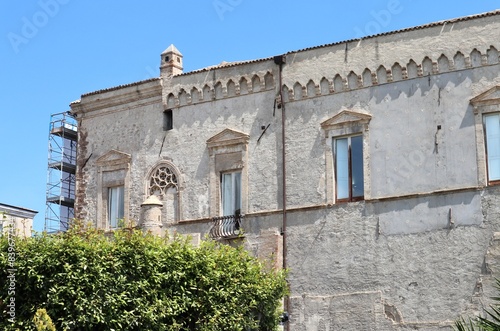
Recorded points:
(163, 182)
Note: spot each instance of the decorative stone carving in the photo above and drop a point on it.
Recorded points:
(345, 117)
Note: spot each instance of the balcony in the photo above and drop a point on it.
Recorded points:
(226, 227)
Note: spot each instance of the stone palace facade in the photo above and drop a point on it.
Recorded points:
(368, 167)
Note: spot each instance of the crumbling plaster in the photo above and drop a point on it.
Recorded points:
(412, 254)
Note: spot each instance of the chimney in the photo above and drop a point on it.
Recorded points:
(171, 62)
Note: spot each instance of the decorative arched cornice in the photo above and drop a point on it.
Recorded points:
(348, 80)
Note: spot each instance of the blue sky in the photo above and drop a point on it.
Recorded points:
(52, 51)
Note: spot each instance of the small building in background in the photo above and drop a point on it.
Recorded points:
(19, 218)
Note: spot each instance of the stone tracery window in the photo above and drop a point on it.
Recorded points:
(164, 182)
(161, 180)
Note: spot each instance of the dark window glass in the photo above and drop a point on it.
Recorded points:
(168, 122)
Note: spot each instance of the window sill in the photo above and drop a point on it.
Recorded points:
(357, 199)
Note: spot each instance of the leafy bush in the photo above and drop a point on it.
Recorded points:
(42, 321)
(86, 280)
(490, 323)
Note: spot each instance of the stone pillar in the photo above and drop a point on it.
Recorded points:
(151, 215)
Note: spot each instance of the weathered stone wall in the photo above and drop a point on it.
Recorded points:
(427, 276)
(407, 153)
(350, 271)
(419, 250)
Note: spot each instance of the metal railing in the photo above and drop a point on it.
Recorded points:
(226, 227)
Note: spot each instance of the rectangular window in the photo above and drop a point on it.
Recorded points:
(115, 205)
(492, 130)
(349, 168)
(231, 193)
(168, 122)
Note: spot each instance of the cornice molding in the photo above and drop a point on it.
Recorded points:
(114, 158)
(17, 211)
(140, 94)
(228, 137)
(486, 101)
(345, 118)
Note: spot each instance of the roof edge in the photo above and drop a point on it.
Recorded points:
(114, 88)
(238, 63)
(418, 27)
(17, 211)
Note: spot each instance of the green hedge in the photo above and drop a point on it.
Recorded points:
(131, 281)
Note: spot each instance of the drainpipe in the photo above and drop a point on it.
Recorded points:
(280, 60)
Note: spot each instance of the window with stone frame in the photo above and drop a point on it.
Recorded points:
(487, 127)
(113, 177)
(163, 181)
(491, 124)
(228, 173)
(348, 165)
(347, 178)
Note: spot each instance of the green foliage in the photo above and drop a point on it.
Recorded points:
(490, 323)
(86, 280)
(42, 321)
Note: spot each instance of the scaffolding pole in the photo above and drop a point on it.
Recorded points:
(61, 172)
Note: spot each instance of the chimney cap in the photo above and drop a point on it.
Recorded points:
(171, 49)
(152, 200)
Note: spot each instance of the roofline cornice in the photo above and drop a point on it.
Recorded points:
(96, 101)
(176, 79)
(17, 211)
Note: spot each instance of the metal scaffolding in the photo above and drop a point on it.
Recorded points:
(61, 170)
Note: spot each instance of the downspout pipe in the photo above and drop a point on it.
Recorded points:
(280, 60)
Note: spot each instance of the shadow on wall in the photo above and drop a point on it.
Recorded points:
(265, 81)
